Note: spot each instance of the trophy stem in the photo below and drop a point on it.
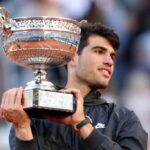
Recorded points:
(40, 81)
(40, 75)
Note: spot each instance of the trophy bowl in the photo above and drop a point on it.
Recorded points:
(41, 43)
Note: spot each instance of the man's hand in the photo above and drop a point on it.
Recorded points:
(76, 117)
(11, 110)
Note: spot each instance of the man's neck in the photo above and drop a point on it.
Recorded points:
(84, 89)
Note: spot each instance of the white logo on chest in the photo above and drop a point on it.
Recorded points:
(100, 125)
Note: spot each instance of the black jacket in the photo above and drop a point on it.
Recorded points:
(116, 128)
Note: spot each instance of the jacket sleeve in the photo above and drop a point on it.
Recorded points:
(131, 136)
(17, 144)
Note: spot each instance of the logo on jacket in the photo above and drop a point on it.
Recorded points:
(100, 125)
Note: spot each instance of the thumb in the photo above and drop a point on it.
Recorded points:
(1, 113)
(24, 100)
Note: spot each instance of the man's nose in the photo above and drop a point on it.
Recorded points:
(108, 60)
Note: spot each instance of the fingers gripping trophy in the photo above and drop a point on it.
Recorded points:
(41, 43)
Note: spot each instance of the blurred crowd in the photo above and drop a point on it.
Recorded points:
(130, 84)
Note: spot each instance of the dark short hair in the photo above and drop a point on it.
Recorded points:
(88, 29)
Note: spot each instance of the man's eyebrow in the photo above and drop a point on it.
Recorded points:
(99, 47)
(103, 48)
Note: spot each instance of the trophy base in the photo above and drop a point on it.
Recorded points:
(39, 112)
(42, 102)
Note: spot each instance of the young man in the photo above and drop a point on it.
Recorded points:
(112, 127)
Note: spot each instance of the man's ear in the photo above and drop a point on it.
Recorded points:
(74, 61)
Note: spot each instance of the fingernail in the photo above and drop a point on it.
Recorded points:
(20, 87)
(0, 112)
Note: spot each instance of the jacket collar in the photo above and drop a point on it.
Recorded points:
(93, 98)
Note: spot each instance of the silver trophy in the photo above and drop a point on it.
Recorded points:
(41, 43)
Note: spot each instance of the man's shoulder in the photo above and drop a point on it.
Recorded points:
(122, 112)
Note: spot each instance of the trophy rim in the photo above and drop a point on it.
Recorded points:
(45, 23)
(48, 18)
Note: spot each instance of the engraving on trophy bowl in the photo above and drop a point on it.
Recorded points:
(39, 43)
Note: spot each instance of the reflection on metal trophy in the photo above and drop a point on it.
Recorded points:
(41, 43)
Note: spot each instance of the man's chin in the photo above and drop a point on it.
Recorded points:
(99, 86)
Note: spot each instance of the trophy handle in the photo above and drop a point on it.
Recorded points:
(83, 22)
(5, 24)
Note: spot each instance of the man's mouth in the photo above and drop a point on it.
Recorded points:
(105, 71)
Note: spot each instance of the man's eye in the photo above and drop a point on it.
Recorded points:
(113, 57)
(98, 51)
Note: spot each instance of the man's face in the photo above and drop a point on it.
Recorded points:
(95, 64)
